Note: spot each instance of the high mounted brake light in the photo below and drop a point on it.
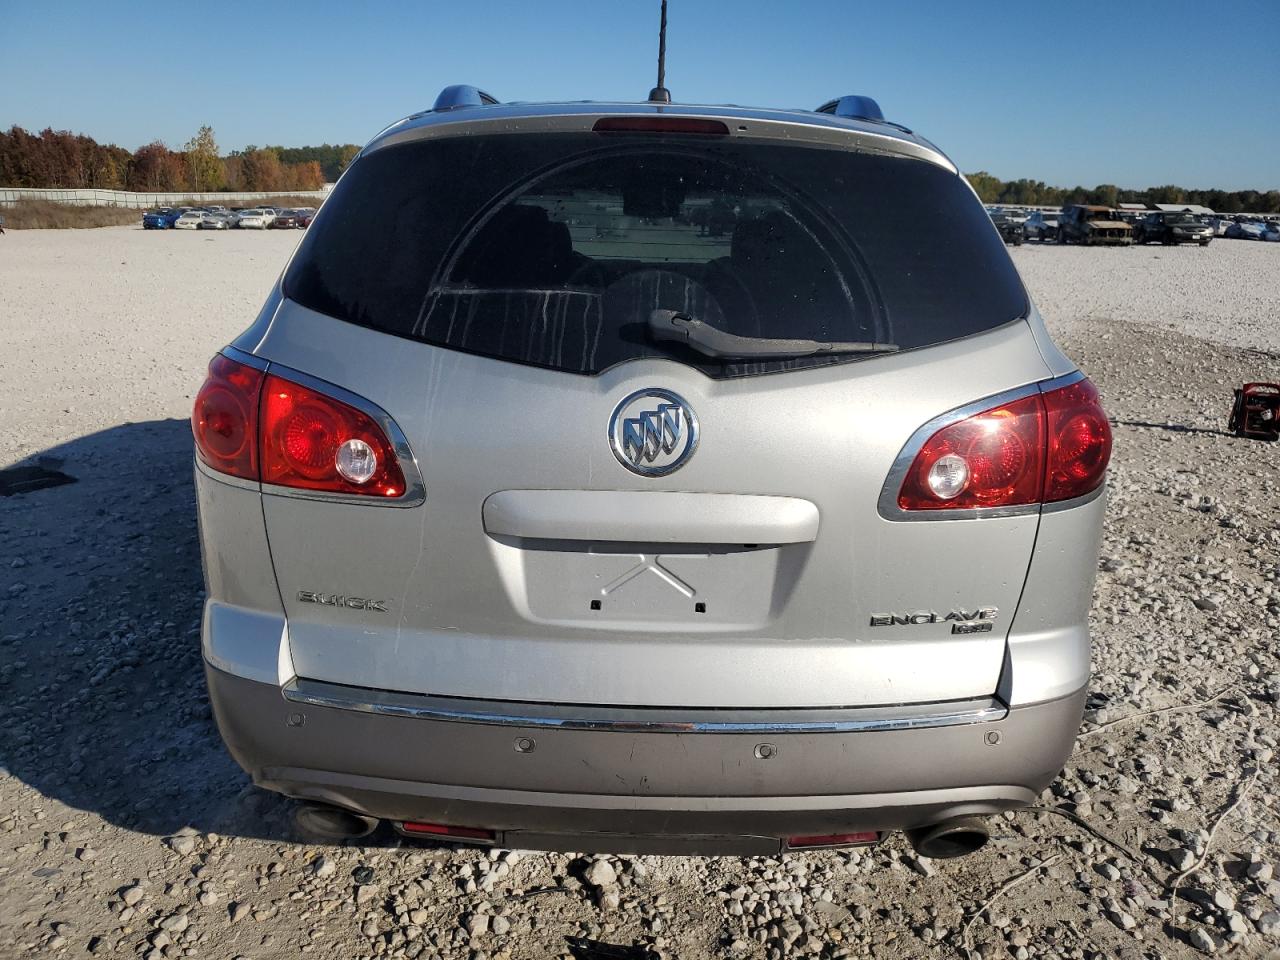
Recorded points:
(263, 427)
(1044, 448)
(695, 125)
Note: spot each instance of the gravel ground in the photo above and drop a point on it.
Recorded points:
(125, 830)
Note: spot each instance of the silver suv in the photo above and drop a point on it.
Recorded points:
(637, 477)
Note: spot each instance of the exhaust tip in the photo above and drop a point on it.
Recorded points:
(958, 837)
(332, 823)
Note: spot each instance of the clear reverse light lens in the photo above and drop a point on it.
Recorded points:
(948, 476)
(356, 461)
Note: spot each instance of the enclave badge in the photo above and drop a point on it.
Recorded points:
(960, 618)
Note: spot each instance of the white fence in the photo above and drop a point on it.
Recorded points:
(125, 198)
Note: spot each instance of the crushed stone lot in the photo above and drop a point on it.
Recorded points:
(127, 831)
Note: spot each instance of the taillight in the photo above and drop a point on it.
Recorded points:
(314, 442)
(265, 428)
(1043, 448)
(1079, 441)
(995, 458)
(225, 418)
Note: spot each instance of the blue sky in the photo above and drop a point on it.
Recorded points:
(1132, 92)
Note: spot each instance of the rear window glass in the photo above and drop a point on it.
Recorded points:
(554, 250)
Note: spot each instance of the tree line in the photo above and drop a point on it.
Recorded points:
(59, 158)
(1035, 193)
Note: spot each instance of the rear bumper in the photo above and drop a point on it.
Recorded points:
(552, 787)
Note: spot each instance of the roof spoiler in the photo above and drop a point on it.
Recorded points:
(462, 95)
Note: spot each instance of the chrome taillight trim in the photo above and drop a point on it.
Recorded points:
(887, 504)
(643, 719)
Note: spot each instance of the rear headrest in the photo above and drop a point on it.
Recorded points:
(515, 249)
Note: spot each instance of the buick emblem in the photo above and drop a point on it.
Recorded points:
(653, 432)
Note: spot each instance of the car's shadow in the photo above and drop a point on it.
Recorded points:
(102, 696)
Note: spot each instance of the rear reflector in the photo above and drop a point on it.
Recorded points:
(695, 125)
(448, 832)
(1044, 448)
(833, 840)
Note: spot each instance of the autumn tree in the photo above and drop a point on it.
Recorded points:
(260, 169)
(203, 164)
(146, 169)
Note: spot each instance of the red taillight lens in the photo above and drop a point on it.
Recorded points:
(1079, 441)
(314, 442)
(1043, 448)
(224, 420)
(262, 427)
(995, 458)
(833, 840)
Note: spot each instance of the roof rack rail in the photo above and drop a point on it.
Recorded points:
(462, 95)
(853, 107)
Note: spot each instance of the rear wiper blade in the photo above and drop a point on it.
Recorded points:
(714, 342)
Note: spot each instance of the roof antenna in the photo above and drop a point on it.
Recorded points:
(661, 94)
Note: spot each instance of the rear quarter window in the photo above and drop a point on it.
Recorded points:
(553, 249)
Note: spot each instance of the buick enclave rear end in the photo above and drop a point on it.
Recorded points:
(622, 477)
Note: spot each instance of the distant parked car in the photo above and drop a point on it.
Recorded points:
(305, 216)
(1172, 227)
(1041, 226)
(1009, 224)
(256, 219)
(190, 220)
(285, 220)
(216, 221)
(1088, 225)
(160, 219)
(1271, 231)
(1246, 230)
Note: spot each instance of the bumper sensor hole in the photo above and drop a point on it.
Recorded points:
(699, 607)
(595, 604)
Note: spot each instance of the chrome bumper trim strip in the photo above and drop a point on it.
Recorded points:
(647, 720)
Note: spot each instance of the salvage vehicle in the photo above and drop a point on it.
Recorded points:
(1172, 228)
(190, 220)
(537, 513)
(1089, 225)
(1041, 226)
(257, 219)
(1009, 225)
(160, 219)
